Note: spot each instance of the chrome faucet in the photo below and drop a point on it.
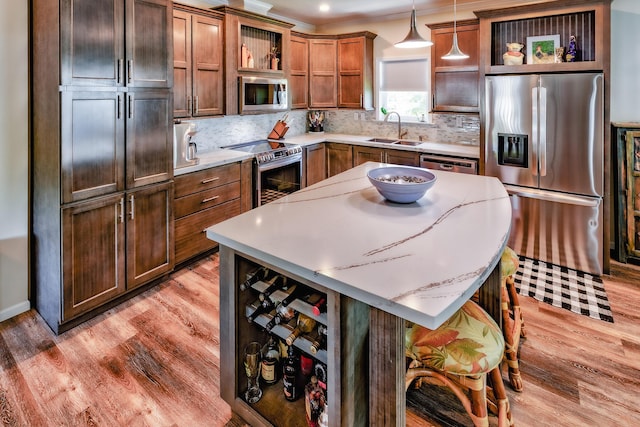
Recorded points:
(386, 119)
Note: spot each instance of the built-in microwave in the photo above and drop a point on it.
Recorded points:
(262, 94)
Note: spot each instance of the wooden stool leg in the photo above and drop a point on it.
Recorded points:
(511, 329)
(502, 401)
(515, 304)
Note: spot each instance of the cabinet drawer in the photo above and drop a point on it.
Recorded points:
(190, 238)
(206, 199)
(205, 179)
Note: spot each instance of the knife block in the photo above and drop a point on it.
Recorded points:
(278, 130)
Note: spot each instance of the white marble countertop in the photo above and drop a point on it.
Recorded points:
(419, 261)
(220, 157)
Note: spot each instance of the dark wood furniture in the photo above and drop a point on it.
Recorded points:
(299, 74)
(102, 153)
(363, 154)
(455, 83)
(315, 163)
(355, 71)
(339, 158)
(323, 66)
(198, 62)
(203, 199)
(626, 194)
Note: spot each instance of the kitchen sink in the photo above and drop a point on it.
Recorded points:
(411, 143)
(383, 140)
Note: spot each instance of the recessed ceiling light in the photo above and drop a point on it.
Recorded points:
(324, 7)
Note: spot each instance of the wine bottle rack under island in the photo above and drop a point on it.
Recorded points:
(344, 353)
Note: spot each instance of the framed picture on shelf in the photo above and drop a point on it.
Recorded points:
(541, 49)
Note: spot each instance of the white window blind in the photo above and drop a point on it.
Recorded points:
(407, 75)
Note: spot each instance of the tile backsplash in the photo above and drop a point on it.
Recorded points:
(212, 133)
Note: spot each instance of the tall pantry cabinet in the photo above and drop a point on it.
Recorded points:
(102, 171)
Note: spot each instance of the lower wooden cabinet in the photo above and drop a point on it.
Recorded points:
(339, 158)
(362, 154)
(315, 164)
(114, 244)
(401, 157)
(203, 199)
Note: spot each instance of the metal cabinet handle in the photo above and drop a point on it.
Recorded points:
(189, 106)
(121, 216)
(119, 72)
(206, 181)
(130, 106)
(196, 106)
(210, 199)
(118, 107)
(132, 201)
(129, 70)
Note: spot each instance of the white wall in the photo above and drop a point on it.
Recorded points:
(625, 61)
(14, 158)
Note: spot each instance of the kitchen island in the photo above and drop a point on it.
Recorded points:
(378, 264)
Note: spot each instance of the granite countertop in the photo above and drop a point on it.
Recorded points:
(419, 261)
(221, 157)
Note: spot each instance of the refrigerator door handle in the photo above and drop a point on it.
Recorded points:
(551, 196)
(534, 129)
(542, 152)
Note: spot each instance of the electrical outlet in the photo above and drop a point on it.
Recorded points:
(355, 116)
(362, 116)
(458, 121)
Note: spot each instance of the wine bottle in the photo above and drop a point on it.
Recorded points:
(283, 314)
(278, 282)
(296, 292)
(290, 375)
(314, 402)
(305, 325)
(317, 341)
(263, 307)
(320, 306)
(271, 362)
(258, 275)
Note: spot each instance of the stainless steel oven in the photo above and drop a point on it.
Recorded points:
(277, 169)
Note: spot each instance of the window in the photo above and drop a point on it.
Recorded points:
(404, 88)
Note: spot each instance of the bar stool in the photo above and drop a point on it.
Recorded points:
(464, 355)
(512, 321)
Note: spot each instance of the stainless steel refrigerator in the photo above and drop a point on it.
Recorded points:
(544, 139)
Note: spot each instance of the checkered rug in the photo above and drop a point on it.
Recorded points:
(563, 287)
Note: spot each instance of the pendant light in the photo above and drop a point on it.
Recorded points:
(455, 52)
(413, 39)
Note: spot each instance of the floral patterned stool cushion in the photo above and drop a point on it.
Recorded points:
(512, 321)
(461, 354)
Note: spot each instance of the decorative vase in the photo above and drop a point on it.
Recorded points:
(274, 63)
(571, 50)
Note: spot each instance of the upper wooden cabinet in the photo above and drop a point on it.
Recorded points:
(323, 67)
(131, 45)
(198, 64)
(588, 20)
(355, 71)
(455, 83)
(260, 35)
(299, 76)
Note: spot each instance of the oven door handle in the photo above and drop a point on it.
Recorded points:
(297, 158)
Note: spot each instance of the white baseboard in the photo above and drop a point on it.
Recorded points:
(9, 312)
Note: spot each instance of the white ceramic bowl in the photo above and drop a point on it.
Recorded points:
(401, 184)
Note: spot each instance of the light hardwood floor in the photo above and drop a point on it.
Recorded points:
(154, 361)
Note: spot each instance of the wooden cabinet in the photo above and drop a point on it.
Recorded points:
(299, 75)
(402, 157)
(363, 154)
(323, 66)
(339, 158)
(346, 360)
(131, 47)
(355, 72)
(203, 199)
(315, 163)
(102, 153)
(626, 183)
(260, 35)
(455, 83)
(197, 62)
(588, 20)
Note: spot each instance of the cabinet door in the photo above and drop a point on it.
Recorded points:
(95, 60)
(149, 222)
(315, 164)
(92, 147)
(93, 263)
(181, 64)
(149, 53)
(401, 157)
(299, 77)
(350, 72)
(339, 158)
(322, 73)
(149, 137)
(207, 66)
(367, 154)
